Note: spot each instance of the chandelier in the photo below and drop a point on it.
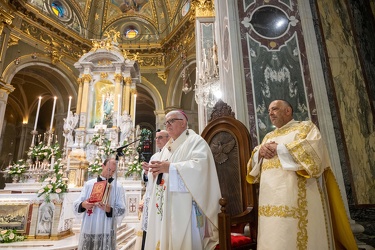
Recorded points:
(207, 85)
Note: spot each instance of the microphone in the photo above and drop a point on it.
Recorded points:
(119, 150)
(160, 177)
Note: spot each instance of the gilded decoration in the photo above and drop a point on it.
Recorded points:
(13, 40)
(271, 164)
(203, 8)
(118, 77)
(103, 75)
(104, 62)
(128, 80)
(86, 78)
(300, 213)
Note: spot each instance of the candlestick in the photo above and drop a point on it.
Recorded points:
(70, 102)
(135, 103)
(118, 110)
(37, 112)
(53, 112)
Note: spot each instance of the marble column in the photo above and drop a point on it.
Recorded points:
(126, 96)
(5, 90)
(84, 101)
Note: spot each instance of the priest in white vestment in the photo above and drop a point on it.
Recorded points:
(161, 139)
(100, 220)
(183, 208)
(293, 208)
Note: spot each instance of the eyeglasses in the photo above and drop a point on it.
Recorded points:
(160, 137)
(171, 121)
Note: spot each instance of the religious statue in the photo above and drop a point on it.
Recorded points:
(69, 124)
(126, 125)
(45, 218)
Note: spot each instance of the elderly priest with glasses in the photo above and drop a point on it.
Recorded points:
(184, 203)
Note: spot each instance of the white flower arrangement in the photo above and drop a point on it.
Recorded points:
(57, 184)
(17, 169)
(10, 235)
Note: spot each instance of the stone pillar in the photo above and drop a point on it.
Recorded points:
(126, 96)
(24, 140)
(5, 90)
(84, 101)
(133, 107)
(118, 88)
(79, 97)
(34, 219)
(56, 217)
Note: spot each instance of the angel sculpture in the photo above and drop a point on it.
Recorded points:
(69, 124)
(126, 125)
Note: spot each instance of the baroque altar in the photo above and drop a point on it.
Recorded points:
(103, 122)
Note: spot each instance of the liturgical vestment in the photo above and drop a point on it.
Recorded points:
(183, 211)
(294, 211)
(98, 231)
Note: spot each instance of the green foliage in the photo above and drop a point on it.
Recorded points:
(57, 184)
(43, 151)
(17, 169)
(10, 235)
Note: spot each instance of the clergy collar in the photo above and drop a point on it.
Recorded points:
(101, 178)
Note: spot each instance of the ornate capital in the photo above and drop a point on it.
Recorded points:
(118, 78)
(128, 80)
(6, 87)
(203, 8)
(86, 78)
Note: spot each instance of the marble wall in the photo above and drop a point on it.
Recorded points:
(353, 103)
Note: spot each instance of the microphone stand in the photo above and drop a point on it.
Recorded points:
(119, 153)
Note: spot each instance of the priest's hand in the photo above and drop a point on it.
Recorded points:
(268, 150)
(104, 207)
(145, 167)
(158, 167)
(87, 205)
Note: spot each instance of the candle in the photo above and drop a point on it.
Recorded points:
(135, 103)
(53, 112)
(101, 121)
(70, 102)
(118, 110)
(37, 113)
(68, 164)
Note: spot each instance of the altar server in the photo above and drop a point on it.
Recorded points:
(100, 219)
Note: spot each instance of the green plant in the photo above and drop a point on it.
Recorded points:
(57, 184)
(10, 235)
(43, 151)
(17, 169)
(96, 166)
(134, 167)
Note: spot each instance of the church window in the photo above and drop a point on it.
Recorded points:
(58, 9)
(131, 32)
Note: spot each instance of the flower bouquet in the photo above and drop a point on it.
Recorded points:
(134, 168)
(16, 170)
(57, 184)
(96, 166)
(10, 235)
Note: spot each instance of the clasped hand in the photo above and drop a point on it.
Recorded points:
(88, 205)
(268, 150)
(157, 167)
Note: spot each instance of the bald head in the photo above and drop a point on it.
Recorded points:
(161, 138)
(280, 112)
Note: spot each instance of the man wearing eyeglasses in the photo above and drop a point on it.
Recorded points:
(183, 204)
(161, 139)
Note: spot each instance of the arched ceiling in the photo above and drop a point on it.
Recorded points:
(154, 20)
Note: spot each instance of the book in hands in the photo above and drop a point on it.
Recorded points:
(100, 192)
